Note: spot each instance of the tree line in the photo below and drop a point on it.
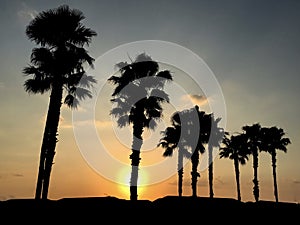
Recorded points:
(57, 65)
(237, 147)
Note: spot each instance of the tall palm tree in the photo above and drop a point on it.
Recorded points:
(172, 139)
(138, 99)
(235, 148)
(57, 65)
(214, 140)
(253, 133)
(273, 139)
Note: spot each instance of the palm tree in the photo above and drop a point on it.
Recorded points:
(272, 140)
(57, 65)
(213, 140)
(253, 134)
(138, 97)
(173, 139)
(202, 130)
(235, 148)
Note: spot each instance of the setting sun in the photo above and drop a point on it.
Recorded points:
(124, 181)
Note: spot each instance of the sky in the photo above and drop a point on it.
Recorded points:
(248, 50)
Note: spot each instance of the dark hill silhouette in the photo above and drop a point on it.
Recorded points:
(165, 209)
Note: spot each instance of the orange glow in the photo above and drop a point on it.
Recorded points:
(124, 181)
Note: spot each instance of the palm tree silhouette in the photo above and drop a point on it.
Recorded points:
(235, 148)
(214, 140)
(202, 124)
(190, 130)
(57, 65)
(273, 139)
(138, 99)
(253, 134)
(172, 139)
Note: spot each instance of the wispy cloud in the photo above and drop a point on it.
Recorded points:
(103, 123)
(98, 123)
(64, 124)
(18, 175)
(196, 99)
(10, 175)
(296, 181)
(26, 13)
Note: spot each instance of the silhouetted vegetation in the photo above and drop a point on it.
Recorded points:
(174, 138)
(169, 209)
(254, 139)
(235, 148)
(137, 99)
(214, 139)
(191, 130)
(272, 140)
(57, 65)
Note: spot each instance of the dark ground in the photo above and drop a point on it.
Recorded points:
(166, 210)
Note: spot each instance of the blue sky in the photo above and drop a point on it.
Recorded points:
(252, 47)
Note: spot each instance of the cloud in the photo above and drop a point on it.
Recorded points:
(296, 181)
(10, 175)
(64, 124)
(26, 14)
(199, 100)
(98, 123)
(103, 123)
(18, 175)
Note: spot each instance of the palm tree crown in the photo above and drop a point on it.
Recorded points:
(57, 65)
(272, 139)
(138, 98)
(236, 149)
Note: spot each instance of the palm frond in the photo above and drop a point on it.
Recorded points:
(71, 101)
(35, 86)
(117, 112)
(160, 95)
(60, 25)
(168, 152)
(123, 121)
(82, 93)
(41, 56)
(165, 74)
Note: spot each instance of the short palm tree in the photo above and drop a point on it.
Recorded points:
(57, 65)
(272, 140)
(253, 133)
(138, 98)
(235, 148)
(172, 139)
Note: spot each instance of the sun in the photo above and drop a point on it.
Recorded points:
(124, 182)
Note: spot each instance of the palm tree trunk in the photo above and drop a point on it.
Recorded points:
(135, 159)
(39, 184)
(180, 172)
(274, 174)
(255, 175)
(194, 173)
(237, 178)
(210, 170)
(53, 116)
